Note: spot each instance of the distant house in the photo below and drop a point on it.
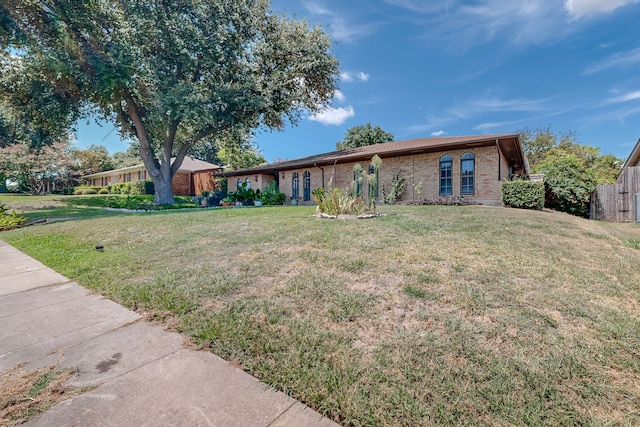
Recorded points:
(469, 166)
(620, 201)
(192, 178)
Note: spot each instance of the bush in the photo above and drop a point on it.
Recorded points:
(568, 185)
(523, 194)
(338, 202)
(271, 196)
(9, 221)
(77, 191)
(103, 191)
(442, 200)
(88, 191)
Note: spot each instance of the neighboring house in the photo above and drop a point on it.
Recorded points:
(469, 166)
(620, 201)
(192, 178)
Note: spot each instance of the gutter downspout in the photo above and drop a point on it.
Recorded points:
(499, 160)
(322, 169)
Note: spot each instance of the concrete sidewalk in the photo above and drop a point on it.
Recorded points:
(144, 376)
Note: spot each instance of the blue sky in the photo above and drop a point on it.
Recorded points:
(421, 68)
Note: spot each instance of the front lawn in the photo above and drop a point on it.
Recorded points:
(430, 315)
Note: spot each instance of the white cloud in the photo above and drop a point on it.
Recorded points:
(339, 96)
(616, 60)
(631, 96)
(472, 107)
(585, 8)
(316, 8)
(363, 76)
(347, 76)
(422, 6)
(333, 116)
(438, 133)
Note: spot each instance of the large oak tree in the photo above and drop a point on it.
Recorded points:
(171, 73)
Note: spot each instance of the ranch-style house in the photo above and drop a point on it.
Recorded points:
(470, 166)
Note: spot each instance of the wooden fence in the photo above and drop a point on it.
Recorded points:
(616, 202)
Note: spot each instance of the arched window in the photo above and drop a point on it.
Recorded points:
(374, 183)
(295, 186)
(306, 186)
(467, 172)
(248, 181)
(238, 183)
(446, 173)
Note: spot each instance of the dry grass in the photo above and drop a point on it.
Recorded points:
(24, 394)
(428, 316)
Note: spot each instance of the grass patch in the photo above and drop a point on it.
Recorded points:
(25, 394)
(633, 243)
(431, 315)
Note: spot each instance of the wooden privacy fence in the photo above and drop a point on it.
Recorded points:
(617, 202)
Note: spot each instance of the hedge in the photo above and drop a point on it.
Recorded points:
(133, 187)
(523, 194)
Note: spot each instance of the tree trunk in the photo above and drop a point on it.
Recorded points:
(163, 190)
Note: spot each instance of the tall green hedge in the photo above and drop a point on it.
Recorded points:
(133, 187)
(523, 194)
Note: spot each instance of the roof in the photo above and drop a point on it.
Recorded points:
(634, 157)
(509, 145)
(189, 164)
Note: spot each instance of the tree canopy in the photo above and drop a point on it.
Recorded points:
(171, 74)
(93, 159)
(362, 135)
(571, 170)
(544, 146)
(233, 149)
(33, 167)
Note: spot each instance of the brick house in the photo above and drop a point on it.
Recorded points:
(469, 166)
(192, 178)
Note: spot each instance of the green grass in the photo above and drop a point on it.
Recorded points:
(430, 315)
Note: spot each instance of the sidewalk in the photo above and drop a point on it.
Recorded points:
(143, 374)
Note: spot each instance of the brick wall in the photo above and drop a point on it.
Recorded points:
(422, 174)
(181, 184)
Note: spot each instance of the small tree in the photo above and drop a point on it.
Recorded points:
(93, 159)
(33, 167)
(568, 185)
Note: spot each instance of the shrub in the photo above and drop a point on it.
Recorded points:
(338, 202)
(441, 200)
(89, 191)
(568, 185)
(271, 196)
(523, 194)
(9, 221)
(398, 185)
(103, 191)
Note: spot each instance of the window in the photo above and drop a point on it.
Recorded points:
(446, 166)
(306, 186)
(248, 182)
(374, 183)
(238, 183)
(467, 171)
(295, 186)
